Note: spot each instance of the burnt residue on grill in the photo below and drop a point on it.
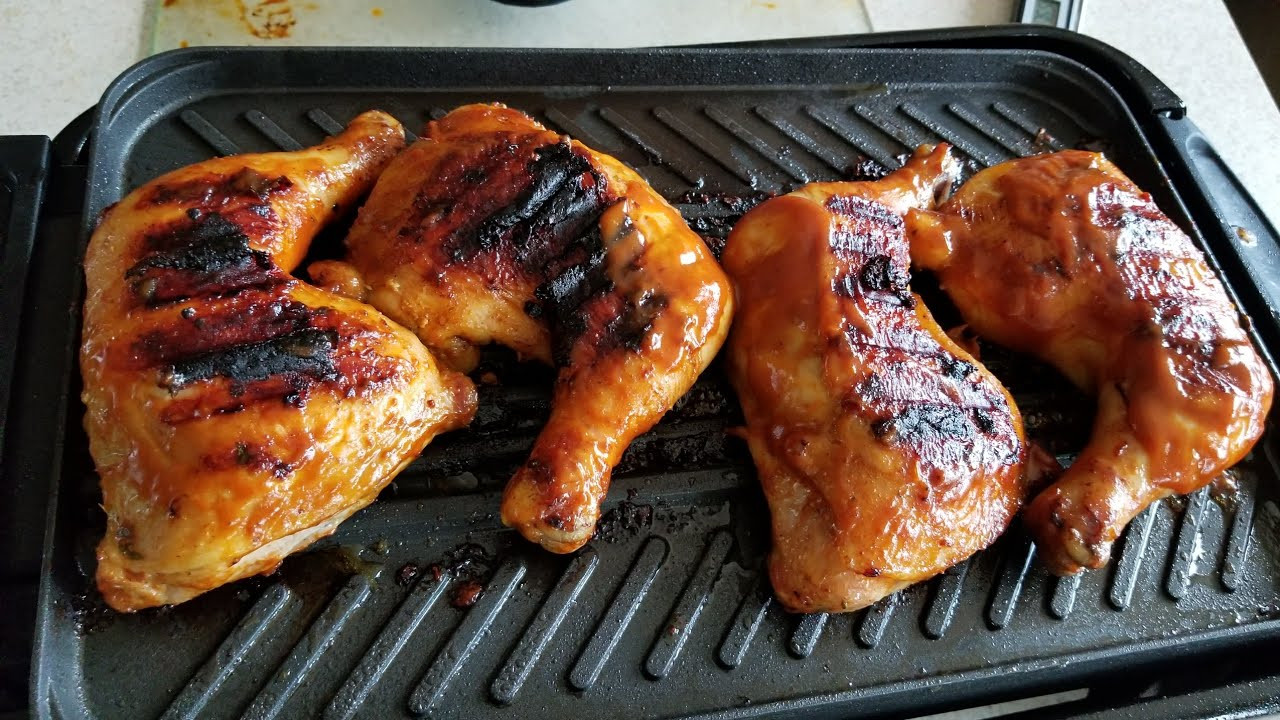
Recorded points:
(736, 203)
(466, 594)
(863, 169)
(407, 573)
(710, 397)
(467, 560)
(713, 215)
(469, 564)
(654, 454)
(625, 521)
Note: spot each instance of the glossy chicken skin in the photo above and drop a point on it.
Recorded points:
(1062, 256)
(493, 229)
(887, 453)
(236, 414)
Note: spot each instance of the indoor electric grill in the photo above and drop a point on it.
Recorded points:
(668, 611)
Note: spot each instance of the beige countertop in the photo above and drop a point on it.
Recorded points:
(61, 54)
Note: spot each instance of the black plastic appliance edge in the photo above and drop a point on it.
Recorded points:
(1213, 197)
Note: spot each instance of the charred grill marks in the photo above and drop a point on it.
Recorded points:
(983, 420)
(577, 289)
(866, 217)
(256, 319)
(957, 409)
(924, 422)
(210, 244)
(247, 319)
(551, 232)
(945, 433)
(306, 353)
(955, 368)
(865, 241)
(253, 456)
(881, 273)
(545, 221)
(629, 328)
(561, 197)
(568, 291)
(248, 330)
(901, 416)
(576, 283)
(210, 255)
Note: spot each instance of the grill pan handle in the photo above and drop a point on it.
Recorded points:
(24, 168)
(42, 187)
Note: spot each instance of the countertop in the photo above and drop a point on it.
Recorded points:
(61, 54)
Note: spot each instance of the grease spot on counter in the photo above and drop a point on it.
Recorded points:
(267, 19)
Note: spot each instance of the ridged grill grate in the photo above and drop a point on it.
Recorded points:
(668, 611)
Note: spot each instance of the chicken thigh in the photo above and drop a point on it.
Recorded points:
(235, 414)
(1063, 257)
(494, 229)
(887, 453)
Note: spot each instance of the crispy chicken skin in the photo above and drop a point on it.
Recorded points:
(236, 414)
(493, 229)
(1063, 257)
(887, 453)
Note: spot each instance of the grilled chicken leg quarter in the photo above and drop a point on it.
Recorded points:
(493, 229)
(236, 414)
(1062, 256)
(887, 453)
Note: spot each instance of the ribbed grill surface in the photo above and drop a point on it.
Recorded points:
(673, 615)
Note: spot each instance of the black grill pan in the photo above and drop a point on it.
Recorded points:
(666, 612)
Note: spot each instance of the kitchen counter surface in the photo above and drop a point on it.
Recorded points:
(61, 54)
